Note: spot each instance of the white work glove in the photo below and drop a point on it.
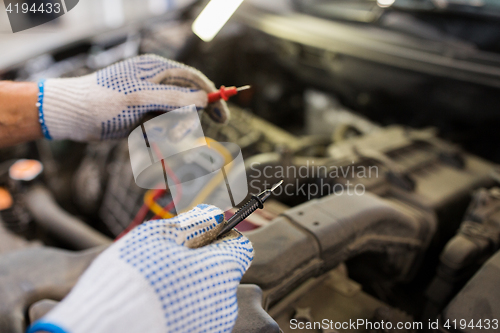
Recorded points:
(109, 103)
(150, 281)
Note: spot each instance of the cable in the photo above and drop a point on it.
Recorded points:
(214, 182)
(159, 211)
(141, 214)
(150, 196)
(150, 202)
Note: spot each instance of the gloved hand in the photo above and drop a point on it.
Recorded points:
(110, 102)
(151, 281)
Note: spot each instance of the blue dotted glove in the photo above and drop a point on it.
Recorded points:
(159, 278)
(109, 103)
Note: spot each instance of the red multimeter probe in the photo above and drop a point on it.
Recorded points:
(224, 93)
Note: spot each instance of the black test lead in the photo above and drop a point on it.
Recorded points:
(251, 206)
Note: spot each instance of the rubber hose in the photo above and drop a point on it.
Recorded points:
(60, 224)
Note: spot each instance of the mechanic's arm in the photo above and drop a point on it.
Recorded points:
(103, 105)
(18, 113)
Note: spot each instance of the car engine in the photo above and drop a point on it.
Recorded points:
(382, 125)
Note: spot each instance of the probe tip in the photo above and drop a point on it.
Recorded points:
(276, 185)
(243, 88)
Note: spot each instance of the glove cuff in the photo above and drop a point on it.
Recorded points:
(62, 106)
(41, 326)
(118, 300)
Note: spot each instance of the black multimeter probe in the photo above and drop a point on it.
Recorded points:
(257, 201)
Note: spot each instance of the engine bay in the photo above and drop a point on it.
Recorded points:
(390, 207)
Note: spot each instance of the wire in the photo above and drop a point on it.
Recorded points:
(150, 201)
(211, 186)
(140, 216)
(150, 196)
(214, 182)
(161, 212)
(152, 205)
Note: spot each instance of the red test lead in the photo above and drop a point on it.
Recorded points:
(224, 93)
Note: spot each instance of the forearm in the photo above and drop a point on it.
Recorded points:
(18, 113)
(103, 105)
